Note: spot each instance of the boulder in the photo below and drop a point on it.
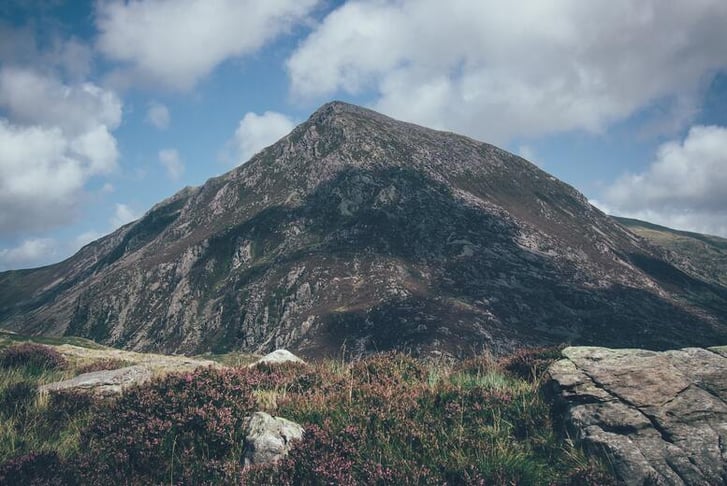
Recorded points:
(103, 383)
(268, 439)
(278, 356)
(657, 417)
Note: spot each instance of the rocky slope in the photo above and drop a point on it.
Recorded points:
(659, 418)
(702, 255)
(363, 232)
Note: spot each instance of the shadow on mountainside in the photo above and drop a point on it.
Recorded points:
(466, 282)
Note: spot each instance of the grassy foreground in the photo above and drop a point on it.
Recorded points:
(387, 419)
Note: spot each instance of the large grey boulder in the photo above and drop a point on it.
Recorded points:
(103, 383)
(268, 439)
(658, 417)
(278, 356)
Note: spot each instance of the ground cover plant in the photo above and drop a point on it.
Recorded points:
(385, 419)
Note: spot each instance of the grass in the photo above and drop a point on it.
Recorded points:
(8, 338)
(28, 420)
(387, 419)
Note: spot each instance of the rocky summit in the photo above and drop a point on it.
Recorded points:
(363, 233)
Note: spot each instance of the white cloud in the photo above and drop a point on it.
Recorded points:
(171, 161)
(497, 71)
(158, 115)
(34, 99)
(256, 132)
(177, 42)
(123, 214)
(29, 253)
(684, 187)
(56, 138)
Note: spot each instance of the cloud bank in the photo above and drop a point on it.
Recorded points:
(523, 69)
(54, 139)
(175, 43)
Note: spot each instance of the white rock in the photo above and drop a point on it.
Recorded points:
(268, 438)
(278, 356)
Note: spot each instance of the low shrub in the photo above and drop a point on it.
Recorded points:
(34, 357)
(181, 428)
(102, 365)
(36, 469)
(529, 363)
(17, 398)
(65, 405)
(380, 420)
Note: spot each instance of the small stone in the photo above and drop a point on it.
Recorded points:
(268, 438)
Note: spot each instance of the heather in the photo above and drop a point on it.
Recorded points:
(385, 419)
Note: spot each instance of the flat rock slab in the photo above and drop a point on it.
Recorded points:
(104, 383)
(155, 362)
(657, 417)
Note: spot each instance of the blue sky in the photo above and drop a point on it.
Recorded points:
(109, 106)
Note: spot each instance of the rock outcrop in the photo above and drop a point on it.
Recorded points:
(278, 356)
(103, 383)
(657, 417)
(143, 367)
(268, 438)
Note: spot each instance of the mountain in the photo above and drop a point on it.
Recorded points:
(357, 232)
(702, 255)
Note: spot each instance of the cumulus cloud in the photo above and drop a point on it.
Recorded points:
(158, 115)
(256, 132)
(32, 98)
(684, 187)
(174, 43)
(171, 161)
(521, 69)
(55, 138)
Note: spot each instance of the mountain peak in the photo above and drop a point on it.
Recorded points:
(362, 230)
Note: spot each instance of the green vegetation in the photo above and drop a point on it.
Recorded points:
(706, 254)
(387, 419)
(31, 422)
(9, 338)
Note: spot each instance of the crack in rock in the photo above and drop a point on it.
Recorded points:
(656, 417)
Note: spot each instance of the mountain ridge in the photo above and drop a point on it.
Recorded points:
(356, 228)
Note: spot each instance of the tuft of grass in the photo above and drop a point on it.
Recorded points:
(101, 365)
(8, 338)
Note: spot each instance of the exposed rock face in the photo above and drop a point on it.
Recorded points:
(363, 231)
(103, 383)
(268, 439)
(657, 416)
(113, 382)
(278, 356)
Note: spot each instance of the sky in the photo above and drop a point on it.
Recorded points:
(107, 107)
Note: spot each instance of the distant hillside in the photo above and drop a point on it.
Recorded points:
(704, 255)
